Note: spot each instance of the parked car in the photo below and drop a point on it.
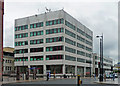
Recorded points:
(116, 75)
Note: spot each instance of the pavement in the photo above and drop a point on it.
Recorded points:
(108, 81)
(85, 80)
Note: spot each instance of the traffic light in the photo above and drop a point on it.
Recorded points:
(98, 64)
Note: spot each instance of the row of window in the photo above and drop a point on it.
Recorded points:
(80, 53)
(21, 43)
(23, 35)
(80, 38)
(55, 30)
(54, 48)
(36, 58)
(55, 39)
(88, 55)
(70, 41)
(36, 25)
(36, 33)
(70, 25)
(21, 59)
(88, 42)
(80, 46)
(7, 61)
(38, 41)
(70, 50)
(80, 60)
(8, 68)
(70, 58)
(88, 49)
(88, 36)
(54, 22)
(80, 31)
(70, 33)
(18, 28)
(54, 57)
(21, 51)
(36, 49)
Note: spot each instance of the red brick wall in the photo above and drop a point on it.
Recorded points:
(1, 36)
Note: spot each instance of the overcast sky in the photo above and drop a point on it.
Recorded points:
(98, 16)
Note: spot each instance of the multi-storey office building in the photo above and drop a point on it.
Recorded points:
(107, 64)
(53, 41)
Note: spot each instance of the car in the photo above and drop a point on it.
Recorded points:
(116, 76)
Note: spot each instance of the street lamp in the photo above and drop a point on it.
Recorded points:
(23, 61)
(101, 57)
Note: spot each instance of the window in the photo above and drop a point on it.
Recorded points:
(80, 38)
(22, 43)
(70, 58)
(70, 41)
(54, 22)
(36, 58)
(80, 46)
(80, 53)
(38, 41)
(70, 33)
(88, 42)
(36, 50)
(55, 39)
(70, 25)
(36, 25)
(55, 30)
(36, 33)
(80, 31)
(54, 48)
(80, 60)
(21, 59)
(21, 51)
(70, 50)
(23, 35)
(54, 57)
(18, 28)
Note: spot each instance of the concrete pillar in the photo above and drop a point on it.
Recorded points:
(29, 68)
(63, 68)
(84, 71)
(75, 70)
(44, 69)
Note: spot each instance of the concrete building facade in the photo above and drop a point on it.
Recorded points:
(8, 60)
(53, 41)
(107, 64)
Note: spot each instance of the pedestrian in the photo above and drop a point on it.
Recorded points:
(54, 74)
(47, 76)
(113, 76)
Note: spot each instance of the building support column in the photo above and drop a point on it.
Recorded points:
(63, 68)
(75, 70)
(44, 69)
(84, 71)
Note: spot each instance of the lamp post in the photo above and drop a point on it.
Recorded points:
(101, 57)
(23, 61)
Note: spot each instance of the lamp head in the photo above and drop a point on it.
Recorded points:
(97, 36)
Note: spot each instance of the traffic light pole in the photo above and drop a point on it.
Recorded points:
(101, 57)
